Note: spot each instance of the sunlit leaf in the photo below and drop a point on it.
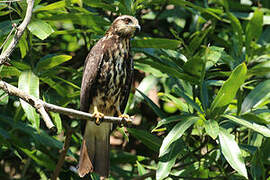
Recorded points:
(41, 29)
(211, 128)
(229, 89)
(231, 152)
(254, 126)
(51, 61)
(29, 83)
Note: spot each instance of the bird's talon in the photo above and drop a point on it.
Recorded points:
(98, 115)
(125, 119)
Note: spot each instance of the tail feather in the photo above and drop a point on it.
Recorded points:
(97, 145)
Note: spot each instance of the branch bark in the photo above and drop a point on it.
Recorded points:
(18, 33)
(38, 104)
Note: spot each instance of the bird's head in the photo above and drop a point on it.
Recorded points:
(124, 26)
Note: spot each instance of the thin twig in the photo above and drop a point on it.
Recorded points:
(18, 33)
(63, 154)
(35, 102)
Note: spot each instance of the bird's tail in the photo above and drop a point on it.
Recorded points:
(95, 149)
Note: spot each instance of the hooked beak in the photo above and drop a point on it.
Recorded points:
(138, 28)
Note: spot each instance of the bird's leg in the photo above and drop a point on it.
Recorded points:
(98, 115)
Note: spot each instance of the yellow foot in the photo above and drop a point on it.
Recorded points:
(126, 118)
(98, 115)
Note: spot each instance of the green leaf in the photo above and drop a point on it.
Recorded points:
(171, 119)
(40, 28)
(231, 152)
(151, 104)
(261, 69)
(180, 104)
(214, 54)
(149, 140)
(254, 126)
(167, 161)
(176, 132)
(29, 83)
(51, 61)
(211, 128)
(260, 93)
(229, 89)
(57, 121)
(40, 158)
(3, 97)
(188, 100)
(141, 169)
(52, 6)
(155, 43)
(254, 27)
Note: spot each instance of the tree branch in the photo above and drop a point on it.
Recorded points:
(18, 33)
(63, 154)
(39, 104)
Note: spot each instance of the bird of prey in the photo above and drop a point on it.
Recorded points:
(106, 83)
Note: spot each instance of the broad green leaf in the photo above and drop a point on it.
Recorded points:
(40, 28)
(149, 140)
(29, 83)
(155, 43)
(256, 96)
(176, 133)
(51, 61)
(211, 128)
(151, 104)
(254, 126)
(229, 89)
(254, 27)
(167, 161)
(231, 152)
(3, 97)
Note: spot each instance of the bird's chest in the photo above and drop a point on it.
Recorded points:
(111, 80)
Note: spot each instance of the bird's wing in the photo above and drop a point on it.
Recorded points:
(91, 70)
(128, 84)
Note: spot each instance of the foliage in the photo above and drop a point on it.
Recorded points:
(202, 99)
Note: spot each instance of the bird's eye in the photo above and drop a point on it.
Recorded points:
(127, 20)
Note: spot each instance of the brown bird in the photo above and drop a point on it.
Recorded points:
(106, 83)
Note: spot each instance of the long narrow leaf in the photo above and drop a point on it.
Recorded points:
(176, 132)
(230, 87)
(254, 126)
(231, 152)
